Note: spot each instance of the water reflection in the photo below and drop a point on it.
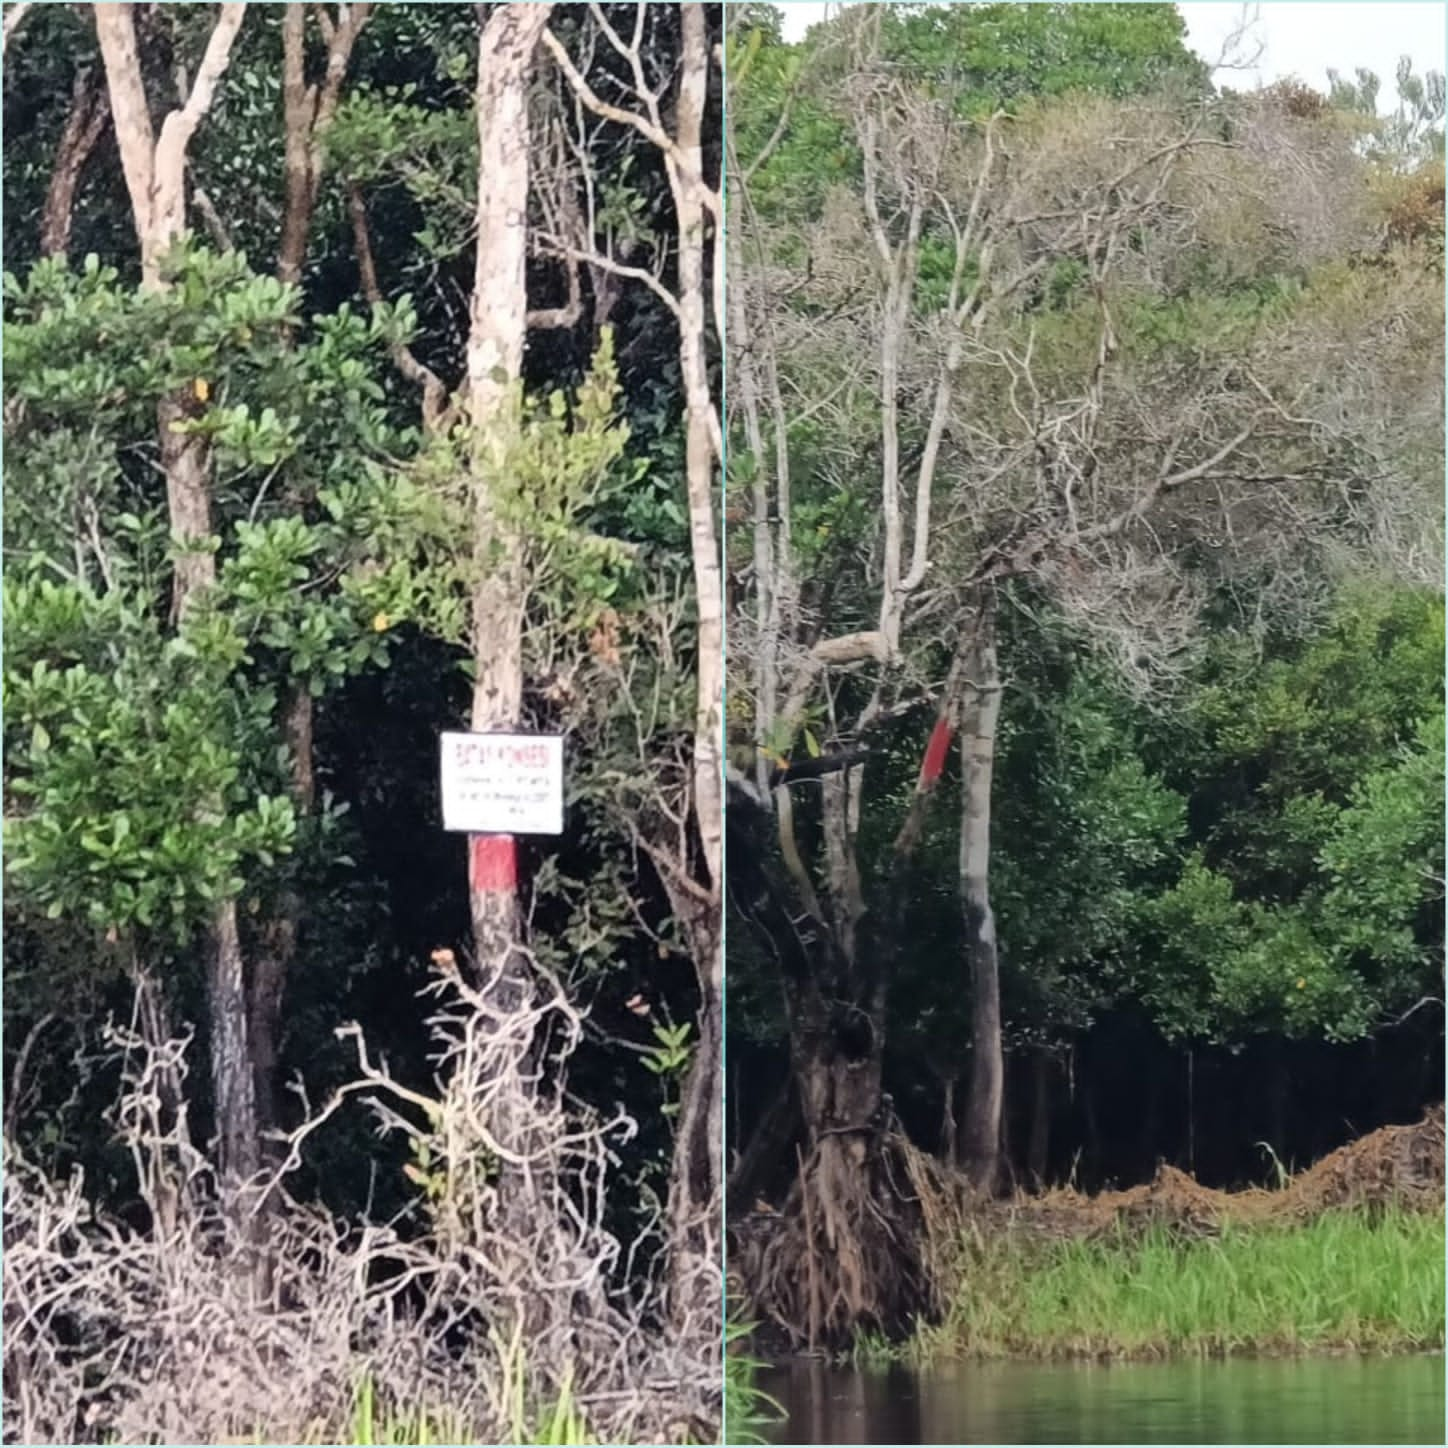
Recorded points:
(1315, 1400)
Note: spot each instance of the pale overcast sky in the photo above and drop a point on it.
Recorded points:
(1302, 39)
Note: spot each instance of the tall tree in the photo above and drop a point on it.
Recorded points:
(499, 324)
(695, 890)
(308, 110)
(155, 168)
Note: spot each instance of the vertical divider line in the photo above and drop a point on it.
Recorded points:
(722, 320)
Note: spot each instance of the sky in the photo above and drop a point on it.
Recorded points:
(1304, 39)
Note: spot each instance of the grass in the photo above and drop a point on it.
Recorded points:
(372, 1423)
(748, 1409)
(1343, 1281)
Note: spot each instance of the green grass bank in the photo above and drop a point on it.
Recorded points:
(1348, 1280)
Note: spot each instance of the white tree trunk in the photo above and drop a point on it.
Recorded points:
(980, 1144)
(696, 1186)
(499, 322)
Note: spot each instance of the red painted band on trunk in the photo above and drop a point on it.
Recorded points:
(935, 752)
(492, 863)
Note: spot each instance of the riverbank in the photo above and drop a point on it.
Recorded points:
(1345, 1257)
(1363, 1282)
(1348, 1280)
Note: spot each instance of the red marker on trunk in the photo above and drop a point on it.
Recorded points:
(935, 753)
(492, 863)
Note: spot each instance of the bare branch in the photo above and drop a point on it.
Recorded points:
(14, 18)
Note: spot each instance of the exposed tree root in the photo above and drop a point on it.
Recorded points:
(119, 1335)
(859, 1243)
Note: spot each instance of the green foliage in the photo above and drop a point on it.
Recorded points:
(975, 57)
(377, 1422)
(1413, 130)
(1085, 833)
(130, 754)
(151, 763)
(537, 481)
(990, 55)
(1068, 891)
(1311, 900)
(668, 1059)
(146, 757)
(1266, 857)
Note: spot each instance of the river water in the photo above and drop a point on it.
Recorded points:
(1247, 1400)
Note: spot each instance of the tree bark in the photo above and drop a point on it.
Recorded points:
(308, 111)
(162, 1187)
(982, 1127)
(298, 108)
(686, 178)
(14, 17)
(155, 166)
(694, 1178)
(231, 1065)
(949, 1130)
(838, 1050)
(84, 125)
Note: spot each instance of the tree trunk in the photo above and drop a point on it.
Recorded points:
(981, 1136)
(696, 1174)
(89, 113)
(155, 165)
(694, 1178)
(274, 954)
(155, 170)
(231, 1067)
(840, 827)
(298, 107)
(497, 332)
(1038, 1149)
(838, 1069)
(695, 1193)
(949, 1145)
(186, 462)
(163, 1184)
(307, 114)
(308, 111)
(686, 177)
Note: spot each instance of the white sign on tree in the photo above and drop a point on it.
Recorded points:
(507, 784)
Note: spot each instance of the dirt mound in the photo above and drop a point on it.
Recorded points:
(1396, 1165)
(1393, 1166)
